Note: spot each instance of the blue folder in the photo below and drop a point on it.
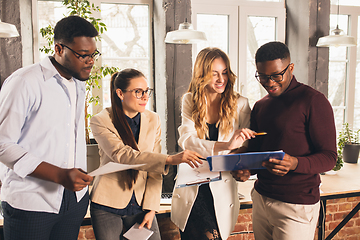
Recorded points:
(250, 160)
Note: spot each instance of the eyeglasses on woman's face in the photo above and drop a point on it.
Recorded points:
(139, 93)
(262, 78)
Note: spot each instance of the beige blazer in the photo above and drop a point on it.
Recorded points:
(109, 189)
(225, 194)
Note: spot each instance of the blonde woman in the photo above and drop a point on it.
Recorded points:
(214, 121)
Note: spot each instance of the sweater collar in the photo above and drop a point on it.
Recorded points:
(293, 84)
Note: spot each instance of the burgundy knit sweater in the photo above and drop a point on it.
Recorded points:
(301, 123)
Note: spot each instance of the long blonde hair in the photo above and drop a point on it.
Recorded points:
(202, 75)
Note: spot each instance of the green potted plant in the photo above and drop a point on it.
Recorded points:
(348, 145)
(84, 9)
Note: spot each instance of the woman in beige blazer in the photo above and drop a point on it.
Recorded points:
(214, 121)
(128, 133)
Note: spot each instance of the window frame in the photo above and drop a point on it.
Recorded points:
(238, 11)
(270, 11)
(353, 13)
(215, 9)
(99, 92)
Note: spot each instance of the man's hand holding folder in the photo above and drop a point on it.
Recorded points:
(273, 165)
(281, 167)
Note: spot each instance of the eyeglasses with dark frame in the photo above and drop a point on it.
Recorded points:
(139, 93)
(84, 57)
(262, 78)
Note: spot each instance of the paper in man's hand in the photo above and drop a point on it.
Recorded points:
(111, 167)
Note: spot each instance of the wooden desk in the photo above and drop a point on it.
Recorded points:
(345, 181)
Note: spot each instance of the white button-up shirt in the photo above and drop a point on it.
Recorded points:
(35, 115)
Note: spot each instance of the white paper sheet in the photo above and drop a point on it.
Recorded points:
(134, 233)
(188, 176)
(111, 167)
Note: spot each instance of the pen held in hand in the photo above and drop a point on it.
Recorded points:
(260, 133)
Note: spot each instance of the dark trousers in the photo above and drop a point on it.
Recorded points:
(30, 225)
(110, 226)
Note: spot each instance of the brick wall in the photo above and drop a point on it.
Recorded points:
(336, 210)
(86, 233)
(243, 228)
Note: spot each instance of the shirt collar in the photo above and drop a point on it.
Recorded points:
(135, 120)
(50, 71)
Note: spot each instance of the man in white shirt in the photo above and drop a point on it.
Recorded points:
(44, 189)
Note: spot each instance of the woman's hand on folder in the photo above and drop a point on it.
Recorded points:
(190, 157)
(241, 175)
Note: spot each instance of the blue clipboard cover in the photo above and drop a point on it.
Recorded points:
(250, 160)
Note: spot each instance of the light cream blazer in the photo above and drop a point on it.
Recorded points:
(109, 189)
(225, 194)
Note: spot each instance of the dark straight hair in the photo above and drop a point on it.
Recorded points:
(121, 80)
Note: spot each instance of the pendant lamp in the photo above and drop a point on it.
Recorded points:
(337, 38)
(8, 30)
(185, 35)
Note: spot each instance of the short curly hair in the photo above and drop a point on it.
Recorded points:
(271, 51)
(73, 26)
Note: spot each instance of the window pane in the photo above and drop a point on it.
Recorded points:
(338, 72)
(49, 12)
(357, 83)
(357, 97)
(126, 42)
(260, 30)
(346, 2)
(216, 28)
(336, 90)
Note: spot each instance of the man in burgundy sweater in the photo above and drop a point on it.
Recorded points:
(298, 120)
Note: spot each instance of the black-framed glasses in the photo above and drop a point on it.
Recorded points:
(84, 57)
(262, 78)
(139, 93)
